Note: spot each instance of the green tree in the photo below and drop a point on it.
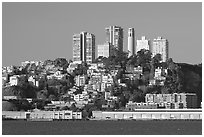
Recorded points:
(156, 60)
(61, 62)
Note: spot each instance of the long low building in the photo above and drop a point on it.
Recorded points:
(42, 115)
(149, 114)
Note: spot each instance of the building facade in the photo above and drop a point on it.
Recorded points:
(104, 50)
(90, 48)
(179, 100)
(131, 41)
(84, 47)
(142, 44)
(149, 114)
(114, 35)
(160, 46)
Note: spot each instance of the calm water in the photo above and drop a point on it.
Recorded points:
(102, 128)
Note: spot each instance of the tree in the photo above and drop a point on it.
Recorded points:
(73, 107)
(61, 62)
(143, 57)
(156, 60)
(52, 97)
(43, 94)
(48, 62)
(137, 96)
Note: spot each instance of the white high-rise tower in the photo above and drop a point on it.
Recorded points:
(84, 47)
(160, 46)
(131, 42)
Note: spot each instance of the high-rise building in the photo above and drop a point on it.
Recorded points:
(131, 41)
(77, 47)
(104, 50)
(84, 47)
(114, 35)
(90, 48)
(142, 44)
(160, 46)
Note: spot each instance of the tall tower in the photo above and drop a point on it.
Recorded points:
(77, 47)
(131, 41)
(114, 35)
(84, 47)
(160, 46)
(90, 48)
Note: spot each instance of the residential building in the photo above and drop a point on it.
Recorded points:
(72, 66)
(160, 46)
(114, 35)
(37, 63)
(84, 47)
(80, 80)
(104, 50)
(79, 97)
(107, 95)
(142, 44)
(13, 80)
(33, 80)
(131, 41)
(90, 48)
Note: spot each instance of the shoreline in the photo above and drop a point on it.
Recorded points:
(52, 120)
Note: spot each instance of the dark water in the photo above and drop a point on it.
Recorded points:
(102, 128)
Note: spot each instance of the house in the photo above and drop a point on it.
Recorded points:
(80, 80)
(33, 80)
(79, 97)
(72, 66)
(13, 80)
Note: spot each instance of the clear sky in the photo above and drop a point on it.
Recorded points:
(41, 31)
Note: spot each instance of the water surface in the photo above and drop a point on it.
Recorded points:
(102, 128)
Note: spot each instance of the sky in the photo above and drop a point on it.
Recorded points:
(41, 31)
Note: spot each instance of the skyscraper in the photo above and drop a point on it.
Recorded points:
(160, 46)
(84, 47)
(114, 35)
(142, 44)
(77, 47)
(131, 41)
(90, 48)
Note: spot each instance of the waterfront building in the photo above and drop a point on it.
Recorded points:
(142, 44)
(160, 46)
(114, 35)
(149, 114)
(180, 100)
(84, 47)
(131, 41)
(131, 106)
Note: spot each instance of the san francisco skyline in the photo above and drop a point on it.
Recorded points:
(41, 31)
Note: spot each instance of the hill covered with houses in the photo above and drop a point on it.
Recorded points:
(106, 84)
